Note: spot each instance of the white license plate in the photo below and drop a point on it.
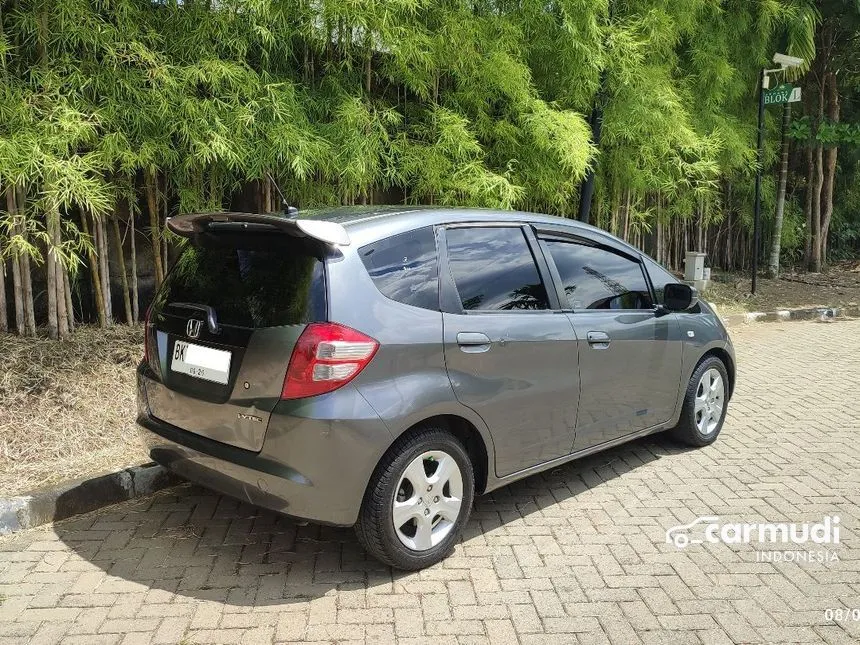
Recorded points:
(201, 362)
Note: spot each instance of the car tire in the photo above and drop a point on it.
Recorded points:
(704, 411)
(402, 488)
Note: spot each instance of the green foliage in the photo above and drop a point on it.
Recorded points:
(450, 102)
(827, 132)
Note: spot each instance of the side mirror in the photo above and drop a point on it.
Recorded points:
(678, 296)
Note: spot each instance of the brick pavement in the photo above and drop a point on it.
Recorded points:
(576, 555)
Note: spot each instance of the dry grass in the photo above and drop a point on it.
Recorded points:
(67, 410)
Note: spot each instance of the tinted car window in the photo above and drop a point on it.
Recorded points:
(251, 280)
(405, 268)
(595, 278)
(493, 269)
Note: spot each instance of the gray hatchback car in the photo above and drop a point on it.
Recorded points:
(380, 367)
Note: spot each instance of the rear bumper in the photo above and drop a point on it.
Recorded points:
(313, 465)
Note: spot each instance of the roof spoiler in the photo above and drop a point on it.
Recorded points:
(326, 232)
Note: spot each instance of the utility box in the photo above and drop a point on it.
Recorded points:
(694, 266)
(695, 273)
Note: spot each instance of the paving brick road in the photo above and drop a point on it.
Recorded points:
(576, 555)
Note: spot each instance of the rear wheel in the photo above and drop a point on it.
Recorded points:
(418, 501)
(704, 404)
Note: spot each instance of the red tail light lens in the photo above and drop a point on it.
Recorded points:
(326, 357)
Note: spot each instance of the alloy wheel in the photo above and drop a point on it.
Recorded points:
(427, 501)
(710, 398)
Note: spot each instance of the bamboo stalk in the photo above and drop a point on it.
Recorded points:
(104, 267)
(4, 316)
(17, 290)
(94, 273)
(26, 276)
(155, 229)
(70, 310)
(18, 294)
(51, 267)
(29, 308)
(121, 256)
(59, 283)
(135, 301)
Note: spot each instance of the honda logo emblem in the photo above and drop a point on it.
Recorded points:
(192, 329)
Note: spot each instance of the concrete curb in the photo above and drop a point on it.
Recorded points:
(814, 313)
(81, 496)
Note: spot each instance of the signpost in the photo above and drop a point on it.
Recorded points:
(783, 93)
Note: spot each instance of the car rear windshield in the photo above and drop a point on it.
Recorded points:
(251, 280)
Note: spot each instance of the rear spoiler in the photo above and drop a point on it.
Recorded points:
(326, 232)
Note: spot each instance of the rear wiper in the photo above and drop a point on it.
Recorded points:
(211, 316)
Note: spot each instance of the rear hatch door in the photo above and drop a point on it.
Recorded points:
(223, 326)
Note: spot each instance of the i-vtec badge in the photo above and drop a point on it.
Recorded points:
(249, 417)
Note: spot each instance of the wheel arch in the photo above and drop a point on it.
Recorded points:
(465, 431)
(727, 360)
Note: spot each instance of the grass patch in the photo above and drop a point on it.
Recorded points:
(67, 410)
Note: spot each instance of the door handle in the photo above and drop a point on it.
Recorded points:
(598, 339)
(473, 341)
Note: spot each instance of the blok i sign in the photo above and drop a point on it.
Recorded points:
(783, 93)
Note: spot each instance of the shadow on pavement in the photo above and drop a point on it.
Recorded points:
(196, 543)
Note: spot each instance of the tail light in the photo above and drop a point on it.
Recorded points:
(326, 357)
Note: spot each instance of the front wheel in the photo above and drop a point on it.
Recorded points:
(704, 404)
(418, 501)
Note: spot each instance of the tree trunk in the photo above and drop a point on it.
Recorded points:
(26, 277)
(18, 293)
(59, 280)
(135, 302)
(70, 310)
(807, 207)
(829, 165)
(626, 214)
(776, 242)
(615, 206)
(117, 238)
(165, 258)
(104, 267)
(51, 285)
(816, 209)
(17, 285)
(94, 272)
(155, 228)
(29, 308)
(4, 316)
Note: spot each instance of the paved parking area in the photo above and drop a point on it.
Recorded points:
(574, 555)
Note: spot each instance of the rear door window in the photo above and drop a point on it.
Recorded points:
(596, 278)
(493, 269)
(405, 268)
(252, 280)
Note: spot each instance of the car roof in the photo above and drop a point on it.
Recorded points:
(367, 224)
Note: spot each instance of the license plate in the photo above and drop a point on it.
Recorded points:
(201, 362)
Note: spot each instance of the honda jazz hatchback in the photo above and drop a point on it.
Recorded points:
(381, 367)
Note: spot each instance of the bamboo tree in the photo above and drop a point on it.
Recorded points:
(4, 317)
(120, 254)
(98, 293)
